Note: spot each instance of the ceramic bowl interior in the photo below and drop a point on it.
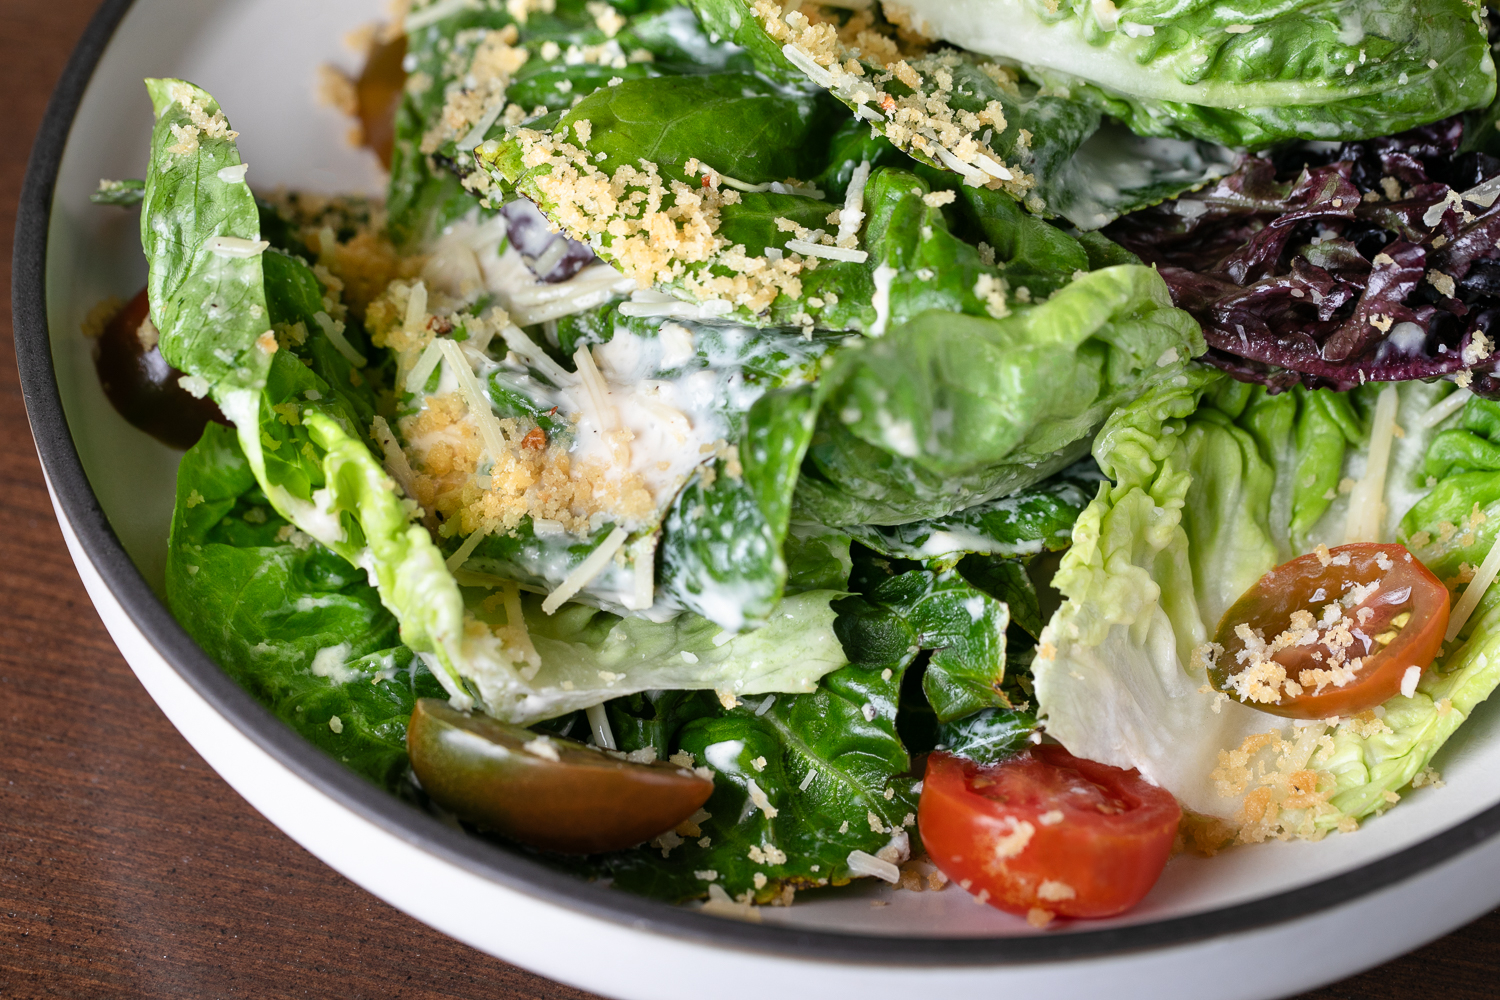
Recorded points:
(259, 58)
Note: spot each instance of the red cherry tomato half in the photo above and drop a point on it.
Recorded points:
(1046, 830)
(1288, 651)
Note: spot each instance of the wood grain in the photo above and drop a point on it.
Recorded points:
(128, 869)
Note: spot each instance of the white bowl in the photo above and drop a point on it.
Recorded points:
(1253, 922)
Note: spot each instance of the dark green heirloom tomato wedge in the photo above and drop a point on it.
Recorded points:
(142, 386)
(543, 790)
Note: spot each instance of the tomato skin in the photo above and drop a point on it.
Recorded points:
(1268, 606)
(1102, 832)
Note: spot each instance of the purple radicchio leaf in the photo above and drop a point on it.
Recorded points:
(1334, 266)
(550, 255)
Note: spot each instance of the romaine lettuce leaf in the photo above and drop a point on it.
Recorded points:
(555, 56)
(1242, 75)
(292, 622)
(1206, 498)
(1018, 525)
(964, 113)
(801, 781)
(949, 411)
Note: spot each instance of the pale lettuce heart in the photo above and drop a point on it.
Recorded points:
(1209, 493)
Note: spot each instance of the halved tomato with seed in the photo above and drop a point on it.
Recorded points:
(1045, 833)
(1334, 632)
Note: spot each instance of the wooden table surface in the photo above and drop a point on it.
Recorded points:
(128, 869)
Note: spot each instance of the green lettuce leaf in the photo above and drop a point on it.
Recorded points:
(800, 782)
(899, 612)
(1021, 524)
(1246, 75)
(1041, 146)
(1206, 498)
(588, 656)
(568, 55)
(948, 411)
(292, 622)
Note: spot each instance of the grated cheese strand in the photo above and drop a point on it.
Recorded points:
(861, 863)
(807, 249)
(476, 400)
(1366, 506)
(800, 59)
(1483, 577)
(515, 619)
(599, 722)
(416, 379)
(416, 309)
(527, 350)
(476, 134)
(585, 571)
(234, 246)
(593, 286)
(1443, 409)
(644, 594)
(853, 215)
(595, 390)
(395, 459)
(334, 331)
(462, 553)
(604, 414)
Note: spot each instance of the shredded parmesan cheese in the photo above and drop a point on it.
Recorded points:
(431, 357)
(585, 571)
(1366, 503)
(861, 863)
(233, 246)
(604, 736)
(852, 216)
(334, 330)
(828, 253)
(1442, 410)
(475, 399)
(644, 594)
(1483, 577)
(462, 553)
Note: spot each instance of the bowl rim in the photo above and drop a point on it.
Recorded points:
(78, 503)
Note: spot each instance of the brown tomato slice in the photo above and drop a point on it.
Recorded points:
(549, 792)
(1286, 651)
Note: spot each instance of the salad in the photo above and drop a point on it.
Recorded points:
(754, 447)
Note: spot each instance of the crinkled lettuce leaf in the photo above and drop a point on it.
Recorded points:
(294, 623)
(1206, 497)
(1044, 147)
(568, 55)
(1021, 524)
(588, 656)
(949, 411)
(1241, 75)
(800, 781)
